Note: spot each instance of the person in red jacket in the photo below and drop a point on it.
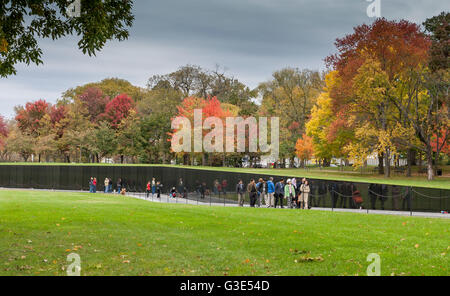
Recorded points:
(149, 188)
(95, 184)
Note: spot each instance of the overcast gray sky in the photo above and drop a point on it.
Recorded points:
(250, 38)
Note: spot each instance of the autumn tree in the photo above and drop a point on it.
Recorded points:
(304, 149)
(386, 49)
(3, 135)
(20, 143)
(109, 87)
(290, 95)
(192, 80)
(29, 117)
(210, 107)
(77, 136)
(94, 101)
(117, 109)
(330, 130)
(424, 103)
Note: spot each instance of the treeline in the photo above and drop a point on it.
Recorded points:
(385, 93)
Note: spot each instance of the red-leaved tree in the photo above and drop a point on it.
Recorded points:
(117, 109)
(29, 118)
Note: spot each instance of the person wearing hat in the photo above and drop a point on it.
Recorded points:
(289, 193)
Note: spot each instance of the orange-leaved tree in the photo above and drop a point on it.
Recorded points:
(304, 149)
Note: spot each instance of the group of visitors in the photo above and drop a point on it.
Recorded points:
(108, 185)
(220, 187)
(93, 185)
(290, 193)
(154, 187)
(296, 195)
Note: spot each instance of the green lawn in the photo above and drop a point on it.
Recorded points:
(326, 174)
(123, 236)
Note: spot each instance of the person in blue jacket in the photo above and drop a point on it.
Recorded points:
(270, 193)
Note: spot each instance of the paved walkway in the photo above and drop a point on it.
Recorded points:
(230, 203)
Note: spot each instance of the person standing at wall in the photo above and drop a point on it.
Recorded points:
(180, 187)
(94, 183)
(289, 193)
(261, 187)
(91, 185)
(270, 193)
(240, 190)
(110, 186)
(202, 190)
(279, 193)
(252, 192)
(119, 185)
(147, 191)
(298, 193)
(216, 187)
(159, 187)
(304, 196)
(224, 186)
(153, 186)
(106, 183)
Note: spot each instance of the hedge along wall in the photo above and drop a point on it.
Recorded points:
(135, 178)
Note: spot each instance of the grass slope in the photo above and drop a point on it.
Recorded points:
(122, 236)
(325, 174)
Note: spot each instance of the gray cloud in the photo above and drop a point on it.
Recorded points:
(251, 38)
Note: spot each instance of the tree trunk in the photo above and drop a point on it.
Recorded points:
(380, 164)
(121, 159)
(430, 171)
(387, 171)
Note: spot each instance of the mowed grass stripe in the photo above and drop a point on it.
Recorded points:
(115, 235)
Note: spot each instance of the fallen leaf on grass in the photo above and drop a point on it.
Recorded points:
(309, 259)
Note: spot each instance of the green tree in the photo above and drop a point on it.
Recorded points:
(104, 140)
(129, 137)
(23, 23)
